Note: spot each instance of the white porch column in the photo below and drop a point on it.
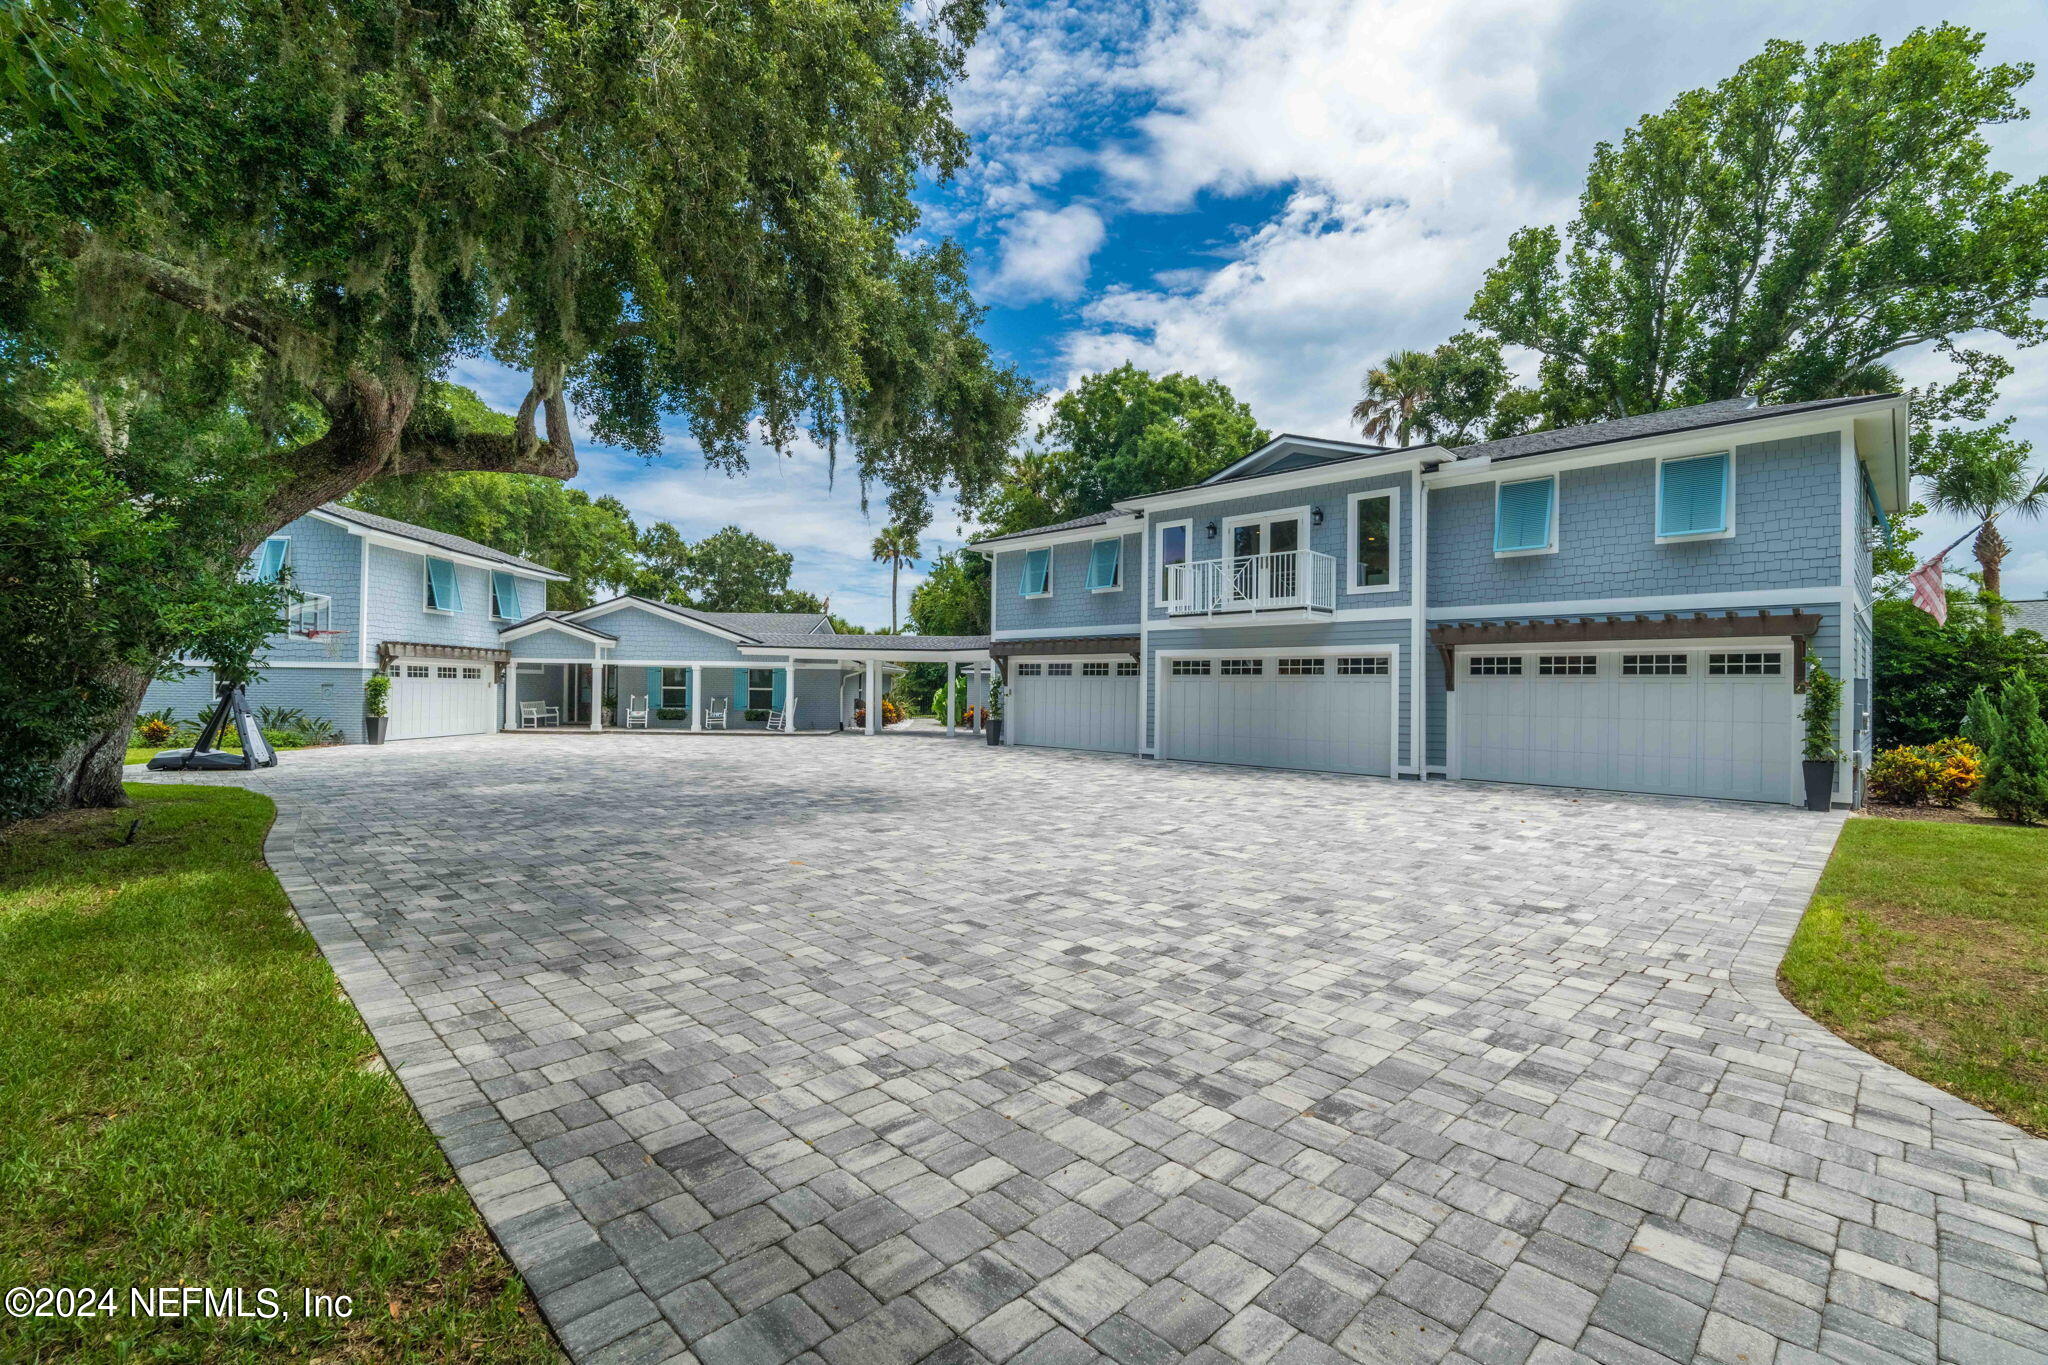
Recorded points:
(951, 669)
(511, 695)
(977, 696)
(696, 696)
(596, 696)
(871, 697)
(789, 697)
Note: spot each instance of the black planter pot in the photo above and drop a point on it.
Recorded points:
(374, 728)
(1820, 782)
(993, 727)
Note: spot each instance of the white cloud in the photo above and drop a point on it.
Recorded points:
(1045, 254)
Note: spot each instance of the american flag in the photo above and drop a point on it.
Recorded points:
(1929, 593)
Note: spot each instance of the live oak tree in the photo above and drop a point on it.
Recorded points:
(651, 207)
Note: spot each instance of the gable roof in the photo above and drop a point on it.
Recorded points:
(439, 540)
(553, 620)
(745, 626)
(856, 644)
(1669, 421)
(1294, 452)
(1077, 524)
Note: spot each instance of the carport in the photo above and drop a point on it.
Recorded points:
(866, 659)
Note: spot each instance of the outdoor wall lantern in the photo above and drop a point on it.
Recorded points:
(1211, 528)
(1315, 516)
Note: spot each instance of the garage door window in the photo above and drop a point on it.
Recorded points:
(1128, 668)
(1495, 666)
(1190, 668)
(1568, 665)
(1059, 670)
(1097, 670)
(1029, 670)
(1369, 666)
(472, 674)
(1743, 665)
(1653, 665)
(447, 673)
(418, 671)
(1243, 668)
(1301, 668)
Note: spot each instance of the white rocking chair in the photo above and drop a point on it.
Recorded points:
(534, 714)
(778, 720)
(714, 714)
(636, 713)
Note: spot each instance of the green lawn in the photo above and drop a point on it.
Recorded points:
(187, 1097)
(141, 755)
(1927, 945)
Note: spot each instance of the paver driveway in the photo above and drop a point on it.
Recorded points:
(898, 1050)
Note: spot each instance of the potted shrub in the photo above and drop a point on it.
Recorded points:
(1823, 704)
(376, 701)
(993, 723)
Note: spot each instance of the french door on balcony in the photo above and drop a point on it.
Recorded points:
(1263, 567)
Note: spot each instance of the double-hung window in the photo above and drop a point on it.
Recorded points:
(1106, 565)
(504, 596)
(270, 559)
(1037, 577)
(1525, 516)
(675, 689)
(761, 689)
(1693, 497)
(1373, 519)
(1172, 544)
(443, 594)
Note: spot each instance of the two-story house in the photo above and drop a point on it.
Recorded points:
(463, 632)
(1630, 605)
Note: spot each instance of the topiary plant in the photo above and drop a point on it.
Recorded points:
(1823, 706)
(2015, 781)
(376, 688)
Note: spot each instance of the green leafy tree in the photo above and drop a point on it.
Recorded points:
(664, 563)
(1980, 719)
(896, 545)
(1924, 672)
(654, 207)
(954, 597)
(1784, 234)
(1117, 435)
(1983, 474)
(2015, 783)
(1451, 396)
(735, 570)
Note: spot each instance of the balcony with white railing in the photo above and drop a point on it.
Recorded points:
(1286, 580)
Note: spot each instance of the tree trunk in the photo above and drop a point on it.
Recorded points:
(894, 566)
(89, 773)
(1991, 550)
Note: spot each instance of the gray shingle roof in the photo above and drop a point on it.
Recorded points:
(428, 536)
(1666, 422)
(2030, 615)
(1093, 519)
(562, 617)
(864, 644)
(754, 622)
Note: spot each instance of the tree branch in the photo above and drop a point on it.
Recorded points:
(480, 452)
(175, 284)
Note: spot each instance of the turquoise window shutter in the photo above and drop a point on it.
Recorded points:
(1103, 562)
(505, 595)
(781, 688)
(270, 559)
(739, 689)
(1521, 515)
(1037, 568)
(1692, 496)
(441, 577)
(653, 688)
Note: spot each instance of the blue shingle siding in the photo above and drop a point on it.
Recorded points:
(323, 558)
(1788, 534)
(1253, 638)
(550, 644)
(645, 634)
(334, 695)
(1826, 647)
(1072, 605)
(1329, 538)
(398, 602)
(817, 698)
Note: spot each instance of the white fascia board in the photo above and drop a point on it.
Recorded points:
(1069, 632)
(569, 628)
(660, 609)
(430, 550)
(1205, 494)
(1116, 526)
(913, 656)
(1285, 442)
(1698, 440)
(1828, 594)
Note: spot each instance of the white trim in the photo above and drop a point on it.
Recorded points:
(1298, 515)
(1393, 675)
(524, 659)
(1585, 606)
(1284, 443)
(1845, 637)
(427, 586)
(1045, 591)
(569, 628)
(1392, 494)
(265, 667)
(1418, 596)
(1120, 523)
(363, 604)
(1657, 500)
(1155, 589)
(1336, 472)
(393, 541)
(1116, 540)
(660, 609)
(1059, 633)
(854, 656)
(1550, 530)
(1699, 440)
(1292, 617)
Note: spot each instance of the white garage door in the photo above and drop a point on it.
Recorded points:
(442, 699)
(1074, 704)
(1678, 719)
(1331, 713)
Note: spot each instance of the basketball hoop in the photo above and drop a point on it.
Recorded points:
(330, 638)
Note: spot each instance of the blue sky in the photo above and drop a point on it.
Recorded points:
(1277, 193)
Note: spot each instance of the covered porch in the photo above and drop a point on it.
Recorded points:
(864, 664)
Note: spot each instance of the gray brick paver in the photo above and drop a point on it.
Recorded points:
(849, 1052)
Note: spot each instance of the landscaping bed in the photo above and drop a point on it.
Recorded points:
(1926, 945)
(187, 1098)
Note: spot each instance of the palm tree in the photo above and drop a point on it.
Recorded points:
(1984, 474)
(1391, 398)
(898, 545)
